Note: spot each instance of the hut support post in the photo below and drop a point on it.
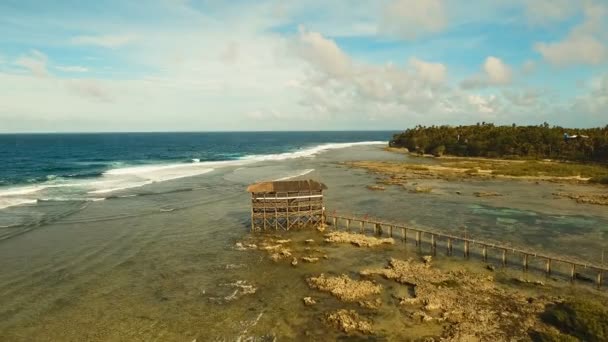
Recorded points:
(484, 252)
(548, 266)
(418, 238)
(390, 231)
(404, 234)
(252, 219)
(598, 279)
(276, 213)
(504, 257)
(572, 272)
(525, 262)
(433, 244)
(449, 252)
(287, 204)
(264, 215)
(361, 224)
(466, 249)
(335, 222)
(348, 225)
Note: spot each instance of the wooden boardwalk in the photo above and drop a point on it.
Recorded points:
(382, 227)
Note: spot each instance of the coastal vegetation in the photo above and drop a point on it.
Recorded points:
(491, 141)
(576, 320)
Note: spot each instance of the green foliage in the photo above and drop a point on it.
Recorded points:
(538, 336)
(488, 140)
(599, 180)
(585, 320)
(438, 151)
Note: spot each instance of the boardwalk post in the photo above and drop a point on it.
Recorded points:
(379, 229)
(264, 219)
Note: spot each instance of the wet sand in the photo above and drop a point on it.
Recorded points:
(163, 265)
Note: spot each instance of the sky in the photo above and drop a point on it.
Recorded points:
(210, 65)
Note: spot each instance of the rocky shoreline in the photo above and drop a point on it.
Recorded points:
(457, 303)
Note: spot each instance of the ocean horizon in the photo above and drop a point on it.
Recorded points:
(63, 167)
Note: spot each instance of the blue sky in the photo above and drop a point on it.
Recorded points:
(179, 65)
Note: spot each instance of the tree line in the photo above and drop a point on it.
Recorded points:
(489, 140)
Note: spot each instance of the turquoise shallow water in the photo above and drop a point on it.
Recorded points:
(161, 265)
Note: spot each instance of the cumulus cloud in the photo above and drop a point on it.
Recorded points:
(524, 98)
(494, 73)
(595, 102)
(106, 41)
(35, 62)
(432, 72)
(323, 53)
(584, 44)
(411, 18)
(341, 88)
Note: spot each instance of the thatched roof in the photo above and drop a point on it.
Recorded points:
(286, 186)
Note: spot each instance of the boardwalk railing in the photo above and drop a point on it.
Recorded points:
(379, 227)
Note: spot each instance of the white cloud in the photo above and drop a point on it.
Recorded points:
(72, 68)
(584, 44)
(106, 41)
(366, 93)
(36, 63)
(574, 49)
(411, 18)
(497, 71)
(494, 73)
(231, 53)
(525, 98)
(528, 67)
(595, 101)
(547, 11)
(90, 89)
(483, 104)
(432, 72)
(323, 53)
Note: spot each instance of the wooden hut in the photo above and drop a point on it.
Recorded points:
(286, 204)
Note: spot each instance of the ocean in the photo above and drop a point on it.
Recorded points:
(89, 167)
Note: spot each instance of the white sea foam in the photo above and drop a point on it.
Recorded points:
(123, 178)
(13, 202)
(305, 172)
(310, 152)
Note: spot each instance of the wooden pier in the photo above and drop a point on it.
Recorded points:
(380, 227)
